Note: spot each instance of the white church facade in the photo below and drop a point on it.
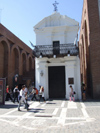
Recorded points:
(57, 64)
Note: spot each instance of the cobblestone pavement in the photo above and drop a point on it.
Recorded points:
(54, 116)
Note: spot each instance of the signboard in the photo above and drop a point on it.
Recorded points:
(70, 80)
(2, 90)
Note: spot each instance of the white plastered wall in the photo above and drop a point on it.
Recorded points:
(72, 70)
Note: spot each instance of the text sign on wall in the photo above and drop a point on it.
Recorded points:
(2, 90)
(70, 80)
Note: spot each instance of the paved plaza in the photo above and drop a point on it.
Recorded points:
(54, 116)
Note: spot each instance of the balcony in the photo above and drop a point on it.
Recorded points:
(59, 51)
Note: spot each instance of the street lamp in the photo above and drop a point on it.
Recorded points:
(40, 55)
(68, 53)
(54, 56)
(41, 73)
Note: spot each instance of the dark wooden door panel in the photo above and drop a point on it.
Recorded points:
(56, 47)
(57, 82)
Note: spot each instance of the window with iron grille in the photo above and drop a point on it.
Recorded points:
(56, 47)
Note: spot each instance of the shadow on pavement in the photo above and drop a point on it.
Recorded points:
(35, 110)
(7, 106)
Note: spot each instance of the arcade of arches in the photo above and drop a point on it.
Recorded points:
(89, 48)
(15, 58)
(84, 59)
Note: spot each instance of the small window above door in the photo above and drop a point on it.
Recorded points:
(56, 47)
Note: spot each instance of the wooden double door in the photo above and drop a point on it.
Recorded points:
(56, 81)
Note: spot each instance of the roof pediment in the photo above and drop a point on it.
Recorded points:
(56, 20)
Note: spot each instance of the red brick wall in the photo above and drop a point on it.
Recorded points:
(90, 15)
(11, 51)
(1, 59)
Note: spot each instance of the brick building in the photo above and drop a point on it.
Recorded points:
(89, 46)
(15, 58)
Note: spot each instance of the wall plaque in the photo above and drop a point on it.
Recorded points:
(70, 80)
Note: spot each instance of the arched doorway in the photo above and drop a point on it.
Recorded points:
(87, 60)
(23, 63)
(83, 62)
(15, 61)
(3, 59)
(30, 63)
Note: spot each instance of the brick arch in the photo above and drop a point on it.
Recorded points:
(86, 41)
(23, 62)
(3, 39)
(83, 60)
(4, 57)
(30, 63)
(80, 53)
(87, 57)
(15, 57)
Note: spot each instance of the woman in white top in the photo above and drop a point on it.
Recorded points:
(71, 93)
(41, 93)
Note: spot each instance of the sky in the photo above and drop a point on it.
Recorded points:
(20, 16)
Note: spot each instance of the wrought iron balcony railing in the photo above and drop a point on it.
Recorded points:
(61, 50)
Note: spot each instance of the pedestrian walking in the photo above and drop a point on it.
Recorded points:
(83, 91)
(22, 98)
(34, 94)
(8, 96)
(16, 93)
(71, 94)
(37, 93)
(41, 93)
(26, 96)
